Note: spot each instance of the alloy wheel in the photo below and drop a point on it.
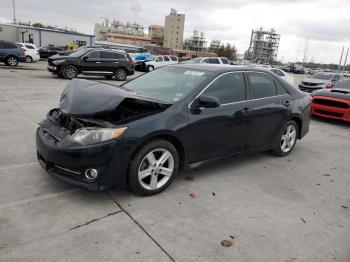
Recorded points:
(288, 138)
(29, 59)
(121, 75)
(12, 61)
(70, 72)
(155, 169)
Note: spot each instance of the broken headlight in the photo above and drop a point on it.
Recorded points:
(87, 136)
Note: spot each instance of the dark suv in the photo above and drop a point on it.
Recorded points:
(50, 50)
(93, 61)
(11, 53)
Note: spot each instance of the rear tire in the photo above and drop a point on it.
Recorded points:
(150, 68)
(28, 59)
(69, 72)
(120, 74)
(286, 139)
(153, 168)
(11, 61)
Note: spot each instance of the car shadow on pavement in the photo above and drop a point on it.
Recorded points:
(331, 121)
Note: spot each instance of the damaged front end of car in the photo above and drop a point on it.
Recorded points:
(78, 139)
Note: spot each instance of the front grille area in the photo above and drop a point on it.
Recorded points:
(310, 84)
(329, 113)
(309, 90)
(331, 103)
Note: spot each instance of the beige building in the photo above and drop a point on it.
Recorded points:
(174, 30)
(156, 33)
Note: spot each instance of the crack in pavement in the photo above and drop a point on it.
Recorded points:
(141, 227)
(95, 220)
(61, 233)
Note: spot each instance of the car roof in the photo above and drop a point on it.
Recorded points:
(219, 68)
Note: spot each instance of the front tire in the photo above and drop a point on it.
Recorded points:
(286, 140)
(120, 74)
(69, 72)
(11, 61)
(28, 59)
(153, 168)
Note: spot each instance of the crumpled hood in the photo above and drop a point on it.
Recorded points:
(88, 98)
(334, 92)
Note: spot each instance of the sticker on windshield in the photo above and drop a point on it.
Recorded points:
(194, 73)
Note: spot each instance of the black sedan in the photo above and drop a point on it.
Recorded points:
(141, 133)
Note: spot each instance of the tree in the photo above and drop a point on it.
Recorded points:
(227, 51)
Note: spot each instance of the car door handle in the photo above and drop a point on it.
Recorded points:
(287, 102)
(242, 112)
(98, 62)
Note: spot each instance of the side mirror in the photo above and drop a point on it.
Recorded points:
(206, 101)
(85, 58)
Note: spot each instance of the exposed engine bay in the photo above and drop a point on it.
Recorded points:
(128, 110)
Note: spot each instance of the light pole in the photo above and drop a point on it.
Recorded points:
(14, 12)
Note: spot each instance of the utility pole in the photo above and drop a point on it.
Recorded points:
(346, 58)
(341, 58)
(14, 12)
(306, 45)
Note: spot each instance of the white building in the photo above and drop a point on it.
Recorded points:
(42, 36)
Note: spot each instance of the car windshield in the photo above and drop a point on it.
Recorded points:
(79, 52)
(193, 61)
(169, 84)
(322, 76)
(343, 84)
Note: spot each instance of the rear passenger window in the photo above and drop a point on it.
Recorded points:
(261, 85)
(173, 58)
(280, 89)
(9, 46)
(228, 88)
(111, 55)
(214, 61)
(166, 58)
(224, 61)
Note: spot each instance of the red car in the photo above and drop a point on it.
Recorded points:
(333, 103)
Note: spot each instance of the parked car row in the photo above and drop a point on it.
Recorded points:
(93, 61)
(12, 53)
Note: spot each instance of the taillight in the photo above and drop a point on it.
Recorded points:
(21, 50)
(329, 85)
(131, 63)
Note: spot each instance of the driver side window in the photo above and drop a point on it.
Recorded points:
(229, 88)
(93, 54)
(159, 59)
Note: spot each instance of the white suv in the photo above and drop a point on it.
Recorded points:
(31, 52)
(161, 60)
(208, 60)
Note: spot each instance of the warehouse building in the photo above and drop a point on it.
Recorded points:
(43, 36)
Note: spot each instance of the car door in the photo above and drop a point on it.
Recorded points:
(158, 62)
(269, 108)
(91, 62)
(2, 51)
(112, 60)
(222, 130)
(167, 60)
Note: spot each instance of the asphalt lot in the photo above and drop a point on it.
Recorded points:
(288, 209)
